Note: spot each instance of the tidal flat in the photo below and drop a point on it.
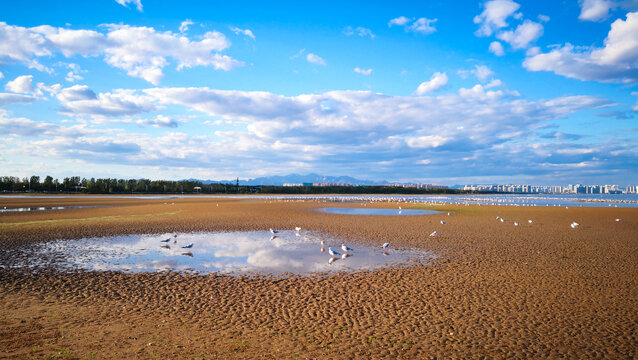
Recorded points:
(494, 290)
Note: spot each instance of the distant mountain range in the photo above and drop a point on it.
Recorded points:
(295, 179)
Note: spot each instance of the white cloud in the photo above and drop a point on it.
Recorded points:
(525, 33)
(315, 59)
(140, 51)
(482, 72)
(421, 25)
(9, 98)
(497, 48)
(245, 32)
(160, 121)
(635, 107)
(1, 75)
(437, 81)
(80, 100)
(363, 71)
(400, 21)
(594, 10)
(22, 84)
(359, 31)
(72, 77)
(543, 18)
(183, 27)
(616, 62)
(137, 3)
(494, 16)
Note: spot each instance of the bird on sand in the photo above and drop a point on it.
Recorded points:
(332, 252)
(345, 248)
(433, 234)
(385, 246)
(574, 225)
(515, 223)
(529, 221)
(443, 222)
(618, 219)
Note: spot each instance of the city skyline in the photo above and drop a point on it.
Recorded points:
(489, 92)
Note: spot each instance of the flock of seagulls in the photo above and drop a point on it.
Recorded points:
(174, 238)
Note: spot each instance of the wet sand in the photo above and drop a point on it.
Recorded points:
(540, 290)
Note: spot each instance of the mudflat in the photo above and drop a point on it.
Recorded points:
(539, 290)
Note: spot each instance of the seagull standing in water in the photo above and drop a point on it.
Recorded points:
(273, 231)
(385, 246)
(165, 240)
(187, 246)
(345, 248)
(175, 237)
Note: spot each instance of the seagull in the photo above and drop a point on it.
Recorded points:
(297, 229)
(175, 241)
(529, 221)
(323, 243)
(166, 240)
(502, 220)
(385, 246)
(618, 219)
(515, 223)
(187, 246)
(332, 252)
(448, 214)
(574, 225)
(345, 248)
(442, 222)
(433, 234)
(273, 231)
(498, 217)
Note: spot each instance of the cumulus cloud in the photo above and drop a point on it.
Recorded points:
(594, 10)
(8, 99)
(22, 84)
(359, 31)
(24, 127)
(365, 72)
(525, 33)
(494, 16)
(615, 62)
(437, 81)
(421, 25)
(315, 59)
(496, 48)
(137, 3)
(245, 32)
(141, 51)
(160, 121)
(80, 100)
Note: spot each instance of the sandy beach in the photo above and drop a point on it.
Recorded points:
(496, 291)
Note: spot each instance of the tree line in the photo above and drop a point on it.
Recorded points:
(75, 184)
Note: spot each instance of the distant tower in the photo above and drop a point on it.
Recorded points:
(237, 185)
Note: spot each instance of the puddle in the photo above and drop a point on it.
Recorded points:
(42, 208)
(373, 211)
(234, 253)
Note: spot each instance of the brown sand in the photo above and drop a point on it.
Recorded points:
(540, 290)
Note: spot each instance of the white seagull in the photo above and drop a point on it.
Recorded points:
(618, 219)
(442, 222)
(433, 234)
(515, 223)
(502, 220)
(165, 240)
(187, 246)
(332, 252)
(345, 248)
(385, 246)
(297, 229)
(273, 231)
(529, 221)
(574, 225)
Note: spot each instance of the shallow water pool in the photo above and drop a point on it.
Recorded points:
(376, 211)
(235, 253)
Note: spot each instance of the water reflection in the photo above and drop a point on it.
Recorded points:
(375, 211)
(42, 208)
(225, 252)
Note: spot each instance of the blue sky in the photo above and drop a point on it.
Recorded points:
(441, 92)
